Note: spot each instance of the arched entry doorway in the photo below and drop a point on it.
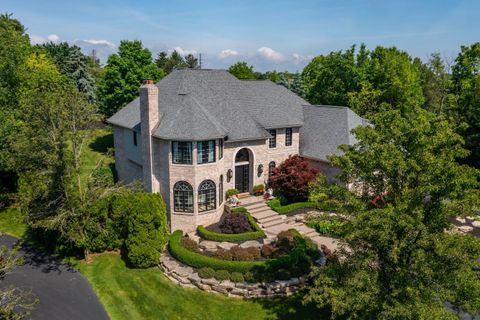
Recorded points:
(243, 161)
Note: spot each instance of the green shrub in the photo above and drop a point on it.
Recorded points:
(221, 275)
(283, 274)
(206, 273)
(198, 260)
(276, 206)
(147, 229)
(258, 188)
(249, 277)
(327, 225)
(238, 237)
(222, 254)
(5, 200)
(237, 277)
(232, 192)
(190, 244)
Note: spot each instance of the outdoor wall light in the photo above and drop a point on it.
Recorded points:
(260, 169)
(229, 175)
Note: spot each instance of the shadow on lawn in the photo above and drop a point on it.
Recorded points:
(283, 308)
(102, 144)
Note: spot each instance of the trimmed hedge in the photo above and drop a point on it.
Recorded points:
(235, 237)
(198, 260)
(276, 206)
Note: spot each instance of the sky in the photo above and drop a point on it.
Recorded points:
(268, 34)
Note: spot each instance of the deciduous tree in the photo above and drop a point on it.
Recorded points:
(242, 71)
(400, 262)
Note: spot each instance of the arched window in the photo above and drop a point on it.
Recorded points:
(206, 196)
(271, 166)
(183, 197)
(221, 196)
(242, 155)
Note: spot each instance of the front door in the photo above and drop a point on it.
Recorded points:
(241, 178)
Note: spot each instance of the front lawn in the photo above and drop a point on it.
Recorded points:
(147, 294)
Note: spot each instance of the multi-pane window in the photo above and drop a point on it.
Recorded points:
(272, 142)
(220, 190)
(205, 151)
(135, 138)
(182, 152)
(206, 196)
(288, 136)
(220, 148)
(183, 197)
(271, 166)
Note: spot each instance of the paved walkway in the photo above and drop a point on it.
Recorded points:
(63, 293)
(273, 223)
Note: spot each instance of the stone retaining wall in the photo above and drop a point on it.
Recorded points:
(188, 277)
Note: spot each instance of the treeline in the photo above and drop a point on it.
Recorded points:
(49, 98)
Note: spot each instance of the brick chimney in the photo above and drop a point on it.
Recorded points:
(149, 119)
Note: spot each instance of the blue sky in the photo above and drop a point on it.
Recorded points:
(267, 34)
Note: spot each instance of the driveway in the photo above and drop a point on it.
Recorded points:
(63, 292)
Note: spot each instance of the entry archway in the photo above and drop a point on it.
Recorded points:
(243, 170)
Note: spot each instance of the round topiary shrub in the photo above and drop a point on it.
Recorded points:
(237, 277)
(206, 273)
(190, 244)
(221, 275)
(267, 251)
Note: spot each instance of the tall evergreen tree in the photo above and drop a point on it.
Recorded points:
(297, 85)
(282, 80)
(191, 61)
(71, 62)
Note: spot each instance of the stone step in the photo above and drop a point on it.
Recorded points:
(273, 223)
(264, 214)
(258, 209)
(274, 230)
(271, 218)
(255, 205)
(245, 202)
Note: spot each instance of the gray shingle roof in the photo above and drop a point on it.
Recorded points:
(325, 128)
(207, 104)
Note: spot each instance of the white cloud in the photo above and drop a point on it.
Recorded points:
(183, 52)
(271, 54)
(99, 42)
(53, 38)
(227, 53)
(298, 58)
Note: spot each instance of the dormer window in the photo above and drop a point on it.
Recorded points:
(205, 151)
(181, 152)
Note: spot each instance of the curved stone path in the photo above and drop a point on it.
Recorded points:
(273, 223)
(63, 292)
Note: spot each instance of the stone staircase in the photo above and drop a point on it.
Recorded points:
(273, 223)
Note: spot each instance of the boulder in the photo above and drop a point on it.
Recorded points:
(226, 245)
(194, 278)
(227, 284)
(208, 245)
(211, 282)
(204, 287)
(476, 224)
(183, 271)
(251, 243)
(465, 229)
(170, 265)
(219, 289)
(239, 292)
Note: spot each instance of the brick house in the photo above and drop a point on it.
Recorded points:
(197, 133)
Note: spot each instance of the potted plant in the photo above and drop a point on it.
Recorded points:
(258, 189)
(232, 200)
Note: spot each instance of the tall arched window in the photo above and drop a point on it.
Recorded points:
(206, 196)
(220, 190)
(183, 197)
(271, 166)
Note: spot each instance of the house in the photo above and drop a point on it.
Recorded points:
(197, 133)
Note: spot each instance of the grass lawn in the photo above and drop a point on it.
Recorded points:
(96, 151)
(11, 222)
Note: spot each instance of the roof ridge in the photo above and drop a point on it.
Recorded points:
(210, 118)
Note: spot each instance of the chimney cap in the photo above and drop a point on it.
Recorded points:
(148, 81)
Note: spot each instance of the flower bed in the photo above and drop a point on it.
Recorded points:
(297, 258)
(198, 260)
(234, 237)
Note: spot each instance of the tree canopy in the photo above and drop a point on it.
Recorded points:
(242, 71)
(124, 73)
(400, 262)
